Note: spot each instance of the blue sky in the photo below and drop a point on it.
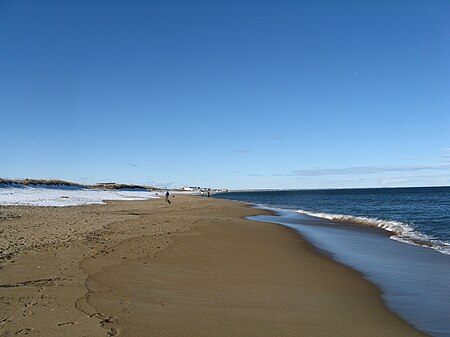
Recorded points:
(237, 94)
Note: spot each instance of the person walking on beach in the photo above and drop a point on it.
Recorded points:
(167, 197)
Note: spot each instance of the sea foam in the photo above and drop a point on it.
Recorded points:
(401, 231)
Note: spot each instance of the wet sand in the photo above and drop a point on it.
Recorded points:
(192, 268)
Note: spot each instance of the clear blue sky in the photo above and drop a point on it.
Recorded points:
(238, 94)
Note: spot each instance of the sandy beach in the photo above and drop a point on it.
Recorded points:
(192, 268)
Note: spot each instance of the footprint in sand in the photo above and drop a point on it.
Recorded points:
(127, 311)
(113, 332)
(67, 323)
(107, 320)
(24, 331)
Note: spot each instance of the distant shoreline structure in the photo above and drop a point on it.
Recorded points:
(330, 189)
(61, 193)
(55, 183)
(118, 186)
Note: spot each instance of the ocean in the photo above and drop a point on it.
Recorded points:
(398, 238)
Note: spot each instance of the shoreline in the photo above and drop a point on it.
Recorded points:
(408, 226)
(174, 263)
(400, 270)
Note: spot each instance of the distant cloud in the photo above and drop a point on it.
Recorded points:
(235, 171)
(256, 175)
(445, 156)
(366, 170)
(160, 184)
(131, 164)
(390, 181)
(276, 137)
(242, 151)
(336, 158)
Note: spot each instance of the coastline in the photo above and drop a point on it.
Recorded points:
(195, 267)
(403, 272)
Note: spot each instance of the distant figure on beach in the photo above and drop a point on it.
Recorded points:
(209, 193)
(167, 197)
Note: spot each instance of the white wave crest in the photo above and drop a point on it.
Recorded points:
(401, 231)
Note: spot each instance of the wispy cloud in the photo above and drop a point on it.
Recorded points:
(255, 175)
(235, 171)
(161, 184)
(336, 158)
(242, 151)
(131, 164)
(366, 170)
(390, 181)
(276, 137)
(425, 178)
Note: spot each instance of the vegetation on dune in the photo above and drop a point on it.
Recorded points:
(56, 182)
(51, 182)
(114, 186)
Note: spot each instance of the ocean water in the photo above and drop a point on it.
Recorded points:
(398, 238)
(418, 216)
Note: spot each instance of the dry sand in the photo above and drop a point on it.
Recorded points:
(192, 268)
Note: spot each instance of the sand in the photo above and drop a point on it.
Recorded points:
(192, 268)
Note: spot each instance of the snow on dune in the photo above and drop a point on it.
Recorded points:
(65, 195)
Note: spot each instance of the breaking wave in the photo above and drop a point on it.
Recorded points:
(401, 231)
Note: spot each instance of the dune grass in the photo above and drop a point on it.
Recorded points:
(115, 186)
(50, 182)
(56, 182)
